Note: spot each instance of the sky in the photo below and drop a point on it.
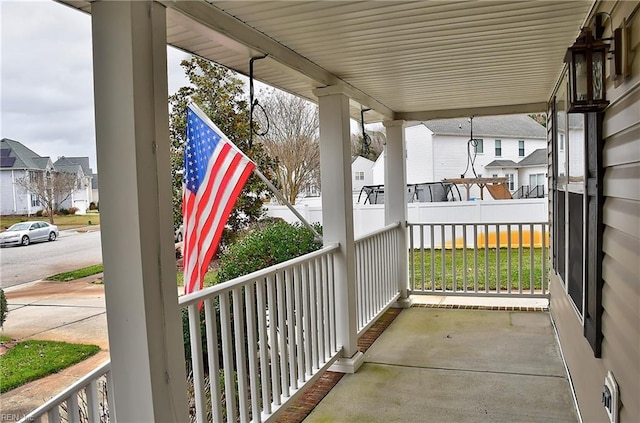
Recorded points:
(46, 78)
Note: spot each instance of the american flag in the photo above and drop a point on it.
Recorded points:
(215, 173)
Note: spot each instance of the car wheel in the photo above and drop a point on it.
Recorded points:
(25, 240)
(52, 236)
(179, 238)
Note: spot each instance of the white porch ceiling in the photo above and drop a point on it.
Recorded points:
(406, 60)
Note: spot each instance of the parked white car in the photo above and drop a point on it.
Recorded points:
(24, 233)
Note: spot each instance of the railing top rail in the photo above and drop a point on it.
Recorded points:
(478, 223)
(378, 232)
(70, 390)
(196, 297)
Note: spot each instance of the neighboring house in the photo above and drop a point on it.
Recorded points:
(440, 149)
(361, 173)
(82, 196)
(18, 161)
(530, 172)
(95, 196)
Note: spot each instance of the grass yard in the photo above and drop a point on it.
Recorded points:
(31, 360)
(70, 221)
(431, 267)
(77, 274)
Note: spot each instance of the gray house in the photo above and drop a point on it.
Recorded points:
(407, 62)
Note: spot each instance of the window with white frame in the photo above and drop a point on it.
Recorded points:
(520, 148)
(498, 148)
(35, 200)
(479, 145)
(359, 176)
(510, 181)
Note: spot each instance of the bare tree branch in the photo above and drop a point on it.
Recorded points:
(50, 187)
(292, 140)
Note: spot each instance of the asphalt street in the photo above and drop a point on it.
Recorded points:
(74, 249)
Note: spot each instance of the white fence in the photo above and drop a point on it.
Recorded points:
(368, 218)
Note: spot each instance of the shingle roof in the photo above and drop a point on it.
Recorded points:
(502, 163)
(509, 126)
(67, 161)
(537, 158)
(24, 157)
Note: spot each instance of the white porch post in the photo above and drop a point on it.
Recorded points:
(337, 217)
(395, 200)
(132, 137)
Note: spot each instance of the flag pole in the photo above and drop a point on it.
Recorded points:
(280, 197)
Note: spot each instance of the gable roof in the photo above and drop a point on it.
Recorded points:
(74, 161)
(502, 163)
(509, 126)
(537, 158)
(17, 156)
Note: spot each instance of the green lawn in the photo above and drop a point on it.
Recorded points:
(63, 222)
(490, 276)
(31, 360)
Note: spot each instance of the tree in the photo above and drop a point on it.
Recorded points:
(221, 96)
(51, 187)
(292, 140)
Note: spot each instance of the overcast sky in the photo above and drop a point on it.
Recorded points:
(46, 80)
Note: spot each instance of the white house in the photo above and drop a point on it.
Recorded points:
(442, 149)
(18, 161)
(361, 173)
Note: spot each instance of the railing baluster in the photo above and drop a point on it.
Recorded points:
(520, 253)
(412, 259)
(73, 411)
(282, 335)
(241, 357)
(443, 257)
(308, 316)
(509, 281)
(543, 276)
(332, 304)
(211, 322)
(454, 283)
(227, 357)
(464, 257)
(498, 275)
(475, 257)
(531, 260)
(299, 315)
(315, 319)
(252, 352)
(274, 341)
(196, 362)
(432, 249)
(291, 328)
(486, 258)
(93, 408)
(326, 313)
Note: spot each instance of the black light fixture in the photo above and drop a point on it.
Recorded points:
(587, 72)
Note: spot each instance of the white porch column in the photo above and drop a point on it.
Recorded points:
(395, 200)
(132, 137)
(337, 217)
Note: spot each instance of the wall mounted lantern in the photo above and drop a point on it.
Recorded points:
(587, 73)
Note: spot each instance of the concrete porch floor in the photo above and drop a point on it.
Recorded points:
(456, 365)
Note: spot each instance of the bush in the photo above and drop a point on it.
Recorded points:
(72, 210)
(265, 247)
(63, 211)
(93, 206)
(39, 213)
(3, 308)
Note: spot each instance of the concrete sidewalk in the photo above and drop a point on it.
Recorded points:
(57, 311)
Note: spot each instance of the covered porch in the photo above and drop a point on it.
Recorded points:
(266, 337)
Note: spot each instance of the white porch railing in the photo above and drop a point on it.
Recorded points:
(266, 335)
(377, 262)
(507, 259)
(89, 396)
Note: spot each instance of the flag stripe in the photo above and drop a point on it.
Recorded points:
(215, 174)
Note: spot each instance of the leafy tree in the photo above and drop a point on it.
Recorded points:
(220, 95)
(292, 139)
(51, 187)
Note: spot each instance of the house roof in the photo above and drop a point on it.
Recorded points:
(508, 126)
(16, 155)
(502, 163)
(410, 61)
(74, 161)
(536, 158)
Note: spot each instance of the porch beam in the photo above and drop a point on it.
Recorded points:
(337, 215)
(395, 204)
(132, 139)
(506, 109)
(238, 36)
